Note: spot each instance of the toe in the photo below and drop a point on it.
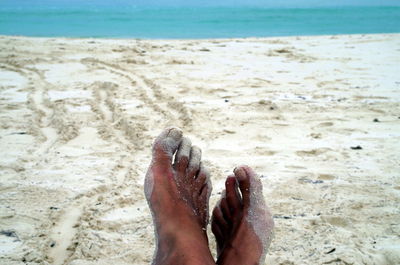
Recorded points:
(225, 210)
(182, 156)
(202, 177)
(232, 194)
(205, 192)
(204, 195)
(219, 237)
(244, 184)
(255, 182)
(165, 146)
(204, 198)
(218, 218)
(194, 162)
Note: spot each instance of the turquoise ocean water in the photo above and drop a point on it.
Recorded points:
(191, 22)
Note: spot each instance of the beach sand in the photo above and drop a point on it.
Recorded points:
(317, 117)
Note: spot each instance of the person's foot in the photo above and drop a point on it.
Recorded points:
(241, 222)
(177, 193)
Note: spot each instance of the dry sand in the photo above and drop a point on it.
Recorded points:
(78, 117)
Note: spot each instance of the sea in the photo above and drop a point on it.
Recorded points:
(152, 22)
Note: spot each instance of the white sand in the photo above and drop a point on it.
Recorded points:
(78, 117)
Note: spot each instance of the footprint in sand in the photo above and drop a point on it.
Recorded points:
(313, 152)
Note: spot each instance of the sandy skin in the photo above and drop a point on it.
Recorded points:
(178, 194)
(241, 222)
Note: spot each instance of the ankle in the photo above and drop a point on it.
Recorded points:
(183, 248)
(238, 253)
(237, 256)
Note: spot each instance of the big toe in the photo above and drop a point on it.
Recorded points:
(251, 188)
(249, 183)
(166, 145)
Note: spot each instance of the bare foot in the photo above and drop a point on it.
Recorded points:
(241, 222)
(178, 193)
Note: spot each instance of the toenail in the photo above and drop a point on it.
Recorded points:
(239, 171)
(174, 132)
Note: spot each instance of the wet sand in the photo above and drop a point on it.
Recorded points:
(317, 117)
